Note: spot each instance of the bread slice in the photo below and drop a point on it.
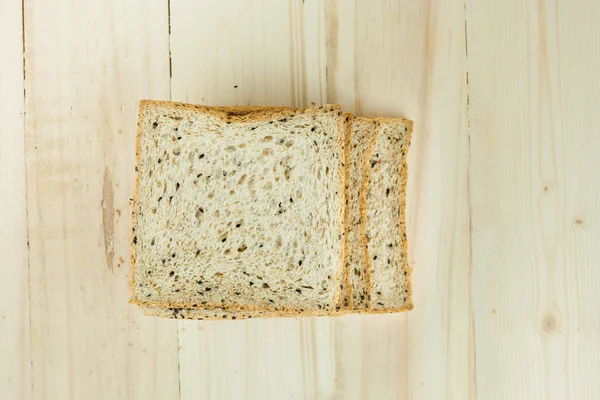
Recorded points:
(385, 217)
(363, 135)
(205, 314)
(238, 210)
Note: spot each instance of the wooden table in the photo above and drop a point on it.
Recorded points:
(504, 207)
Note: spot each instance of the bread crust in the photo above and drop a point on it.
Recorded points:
(347, 301)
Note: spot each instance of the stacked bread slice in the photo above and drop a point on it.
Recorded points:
(248, 212)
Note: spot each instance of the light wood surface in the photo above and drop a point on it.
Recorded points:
(535, 158)
(502, 205)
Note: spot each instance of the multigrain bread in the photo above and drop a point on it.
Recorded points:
(385, 217)
(239, 210)
(364, 133)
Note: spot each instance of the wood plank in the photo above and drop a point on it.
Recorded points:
(407, 58)
(383, 58)
(14, 297)
(535, 148)
(87, 66)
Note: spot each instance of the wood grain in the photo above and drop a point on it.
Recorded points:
(87, 66)
(535, 148)
(502, 210)
(14, 296)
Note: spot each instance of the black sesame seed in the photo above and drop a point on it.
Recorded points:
(201, 156)
(171, 273)
(135, 240)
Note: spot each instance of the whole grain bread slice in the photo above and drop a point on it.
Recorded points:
(364, 133)
(197, 241)
(385, 227)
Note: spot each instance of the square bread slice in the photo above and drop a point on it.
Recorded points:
(237, 210)
(387, 250)
(217, 314)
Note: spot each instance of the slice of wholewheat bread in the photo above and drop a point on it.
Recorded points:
(385, 217)
(217, 314)
(238, 210)
(364, 133)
